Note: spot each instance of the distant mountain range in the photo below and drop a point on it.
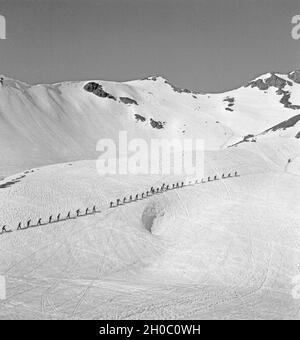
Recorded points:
(44, 124)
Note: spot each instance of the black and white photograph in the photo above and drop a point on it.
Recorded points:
(149, 161)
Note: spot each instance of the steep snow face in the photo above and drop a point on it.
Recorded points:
(45, 124)
(289, 128)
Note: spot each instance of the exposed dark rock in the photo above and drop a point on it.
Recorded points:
(295, 76)
(285, 100)
(228, 109)
(97, 89)
(157, 124)
(285, 124)
(127, 100)
(279, 83)
(229, 99)
(272, 81)
(248, 137)
(139, 118)
(180, 90)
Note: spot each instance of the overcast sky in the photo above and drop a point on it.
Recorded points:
(207, 45)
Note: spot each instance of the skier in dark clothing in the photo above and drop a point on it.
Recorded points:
(136, 197)
(39, 222)
(208, 179)
(86, 211)
(69, 215)
(77, 212)
(130, 197)
(28, 223)
(4, 229)
(223, 176)
(19, 226)
(1, 81)
(58, 217)
(124, 200)
(94, 209)
(235, 174)
(215, 178)
(118, 201)
(111, 204)
(50, 219)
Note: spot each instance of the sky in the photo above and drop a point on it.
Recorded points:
(204, 45)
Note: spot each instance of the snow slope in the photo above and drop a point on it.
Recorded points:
(224, 249)
(48, 124)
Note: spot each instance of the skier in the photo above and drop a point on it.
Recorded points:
(143, 195)
(215, 178)
(58, 217)
(50, 219)
(19, 226)
(86, 211)
(136, 197)
(94, 209)
(111, 204)
(77, 212)
(147, 193)
(118, 201)
(1, 81)
(4, 229)
(208, 178)
(124, 200)
(229, 175)
(235, 174)
(182, 184)
(167, 187)
(177, 184)
(39, 222)
(28, 223)
(223, 176)
(69, 215)
(130, 197)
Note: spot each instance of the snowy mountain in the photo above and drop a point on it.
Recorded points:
(222, 249)
(45, 124)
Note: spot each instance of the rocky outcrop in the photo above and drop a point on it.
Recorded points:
(97, 89)
(157, 124)
(127, 100)
(272, 81)
(139, 118)
(285, 124)
(295, 76)
(285, 100)
(279, 83)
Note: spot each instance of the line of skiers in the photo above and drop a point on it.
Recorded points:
(164, 187)
(50, 220)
